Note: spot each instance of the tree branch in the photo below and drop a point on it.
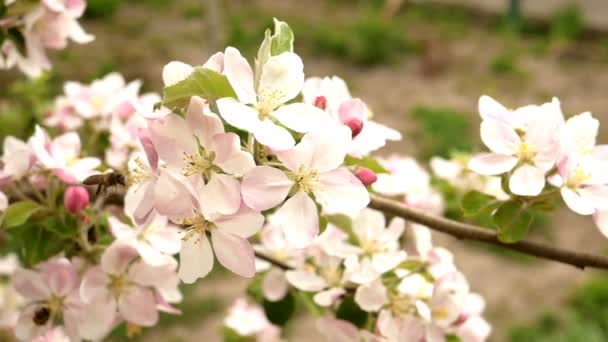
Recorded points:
(471, 232)
(273, 261)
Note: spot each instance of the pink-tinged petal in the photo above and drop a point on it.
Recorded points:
(163, 306)
(596, 194)
(300, 155)
(61, 275)
(244, 223)
(120, 230)
(196, 258)
(499, 137)
(234, 252)
(222, 194)
(175, 71)
(490, 109)
(601, 221)
(116, 258)
(330, 145)
(265, 187)
(171, 197)
(30, 285)
(274, 285)
(240, 75)
(26, 329)
(352, 109)
(384, 262)
(95, 320)
(276, 137)
(172, 138)
(166, 240)
(372, 137)
(340, 191)
(202, 122)
(151, 255)
(94, 285)
(215, 62)
(282, 78)
(299, 220)
(301, 117)
(139, 201)
(527, 180)
(237, 114)
(492, 163)
(371, 297)
(328, 297)
(306, 281)
(149, 150)
(138, 306)
(229, 156)
(66, 145)
(337, 330)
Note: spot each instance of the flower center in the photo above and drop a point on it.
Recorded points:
(526, 152)
(198, 163)
(139, 173)
(268, 101)
(579, 177)
(371, 247)
(118, 284)
(307, 180)
(196, 227)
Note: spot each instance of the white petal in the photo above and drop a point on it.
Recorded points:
(340, 191)
(275, 285)
(299, 220)
(176, 71)
(499, 137)
(492, 163)
(244, 223)
(265, 187)
(371, 297)
(596, 194)
(222, 194)
(196, 258)
(330, 145)
(94, 285)
(282, 78)
(305, 281)
(527, 180)
(328, 297)
(240, 75)
(229, 156)
(234, 252)
(491, 109)
(276, 137)
(237, 114)
(576, 202)
(301, 117)
(116, 258)
(601, 220)
(138, 306)
(202, 122)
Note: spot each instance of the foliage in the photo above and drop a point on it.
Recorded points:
(567, 24)
(102, 8)
(441, 131)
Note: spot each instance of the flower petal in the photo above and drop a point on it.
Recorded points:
(527, 180)
(240, 75)
(340, 191)
(94, 285)
(305, 281)
(299, 220)
(234, 252)
(601, 221)
(202, 122)
(499, 137)
(492, 163)
(175, 71)
(237, 114)
(116, 258)
(328, 297)
(265, 187)
(371, 297)
(229, 156)
(138, 306)
(196, 258)
(274, 285)
(30, 285)
(222, 194)
(282, 78)
(301, 117)
(244, 223)
(491, 109)
(274, 136)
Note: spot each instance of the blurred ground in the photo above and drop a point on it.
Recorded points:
(470, 57)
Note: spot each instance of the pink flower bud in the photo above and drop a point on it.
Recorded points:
(76, 198)
(321, 102)
(355, 125)
(366, 176)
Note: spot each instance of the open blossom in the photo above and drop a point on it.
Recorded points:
(155, 240)
(10, 300)
(583, 184)
(198, 145)
(62, 156)
(129, 287)
(332, 95)
(314, 168)
(456, 173)
(17, 157)
(229, 223)
(524, 141)
(52, 293)
(260, 104)
(338, 330)
(249, 320)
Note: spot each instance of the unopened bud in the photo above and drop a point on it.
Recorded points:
(355, 126)
(366, 176)
(321, 102)
(76, 198)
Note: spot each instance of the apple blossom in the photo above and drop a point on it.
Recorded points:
(282, 78)
(17, 157)
(339, 330)
(366, 176)
(248, 320)
(524, 141)
(76, 199)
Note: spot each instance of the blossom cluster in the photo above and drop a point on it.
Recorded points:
(538, 153)
(30, 27)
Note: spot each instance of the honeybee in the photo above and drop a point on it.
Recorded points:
(42, 315)
(105, 180)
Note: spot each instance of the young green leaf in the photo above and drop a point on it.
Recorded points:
(203, 82)
(282, 39)
(367, 162)
(475, 202)
(18, 213)
(351, 312)
(512, 220)
(280, 312)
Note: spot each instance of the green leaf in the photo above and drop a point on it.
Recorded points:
(254, 289)
(263, 56)
(18, 213)
(306, 299)
(66, 228)
(345, 223)
(351, 312)
(475, 202)
(512, 220)
(35, 244)
(231, 335)
(280, 312)
(203, 82)
(282, 39)
(367, 162)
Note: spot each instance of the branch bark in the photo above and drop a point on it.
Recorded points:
(471, 232)
(273, 261)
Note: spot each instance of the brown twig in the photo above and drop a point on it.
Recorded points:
(471, 232)
(273, 261)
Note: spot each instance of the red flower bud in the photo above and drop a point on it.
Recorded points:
(355, 125)
(366, 176)
(75, 198)
(321, 102)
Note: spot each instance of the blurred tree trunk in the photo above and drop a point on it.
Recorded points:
(215, 25)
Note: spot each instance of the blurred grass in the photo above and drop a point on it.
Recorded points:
(441, 131)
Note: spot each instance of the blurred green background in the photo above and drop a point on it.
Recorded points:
(420, 66)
